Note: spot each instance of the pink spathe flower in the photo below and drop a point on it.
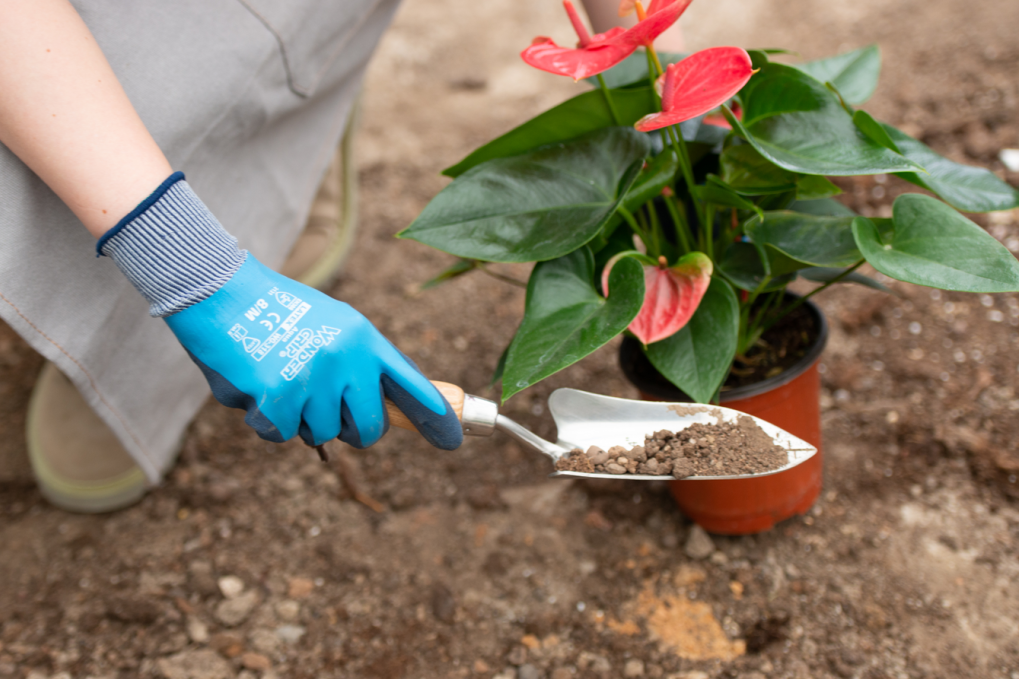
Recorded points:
(671, 295)
(598, 53)
(592, 55)
(701, 82)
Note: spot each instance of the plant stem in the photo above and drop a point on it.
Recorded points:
(654, 57)
(656, 227)
(679, 219)
(792, 307)
(608, 100)
(628, 216)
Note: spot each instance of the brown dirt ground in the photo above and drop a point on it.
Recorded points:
(480, 566)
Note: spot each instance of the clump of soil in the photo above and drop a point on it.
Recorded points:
(724, 449)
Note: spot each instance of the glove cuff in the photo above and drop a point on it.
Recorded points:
(172, 249)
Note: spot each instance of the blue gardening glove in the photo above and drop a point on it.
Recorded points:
(298, 361)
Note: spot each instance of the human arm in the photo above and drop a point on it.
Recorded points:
(64, 113)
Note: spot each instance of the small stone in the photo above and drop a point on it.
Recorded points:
(290, 634)
(637, 453)
(530, 641)
(230, 586)
(698, 543)
(232, 612)
(300, 588)
(288, 610)
(517, 655)
(594, 451)
(528, 672)
(663, 434)
(256, 661)
(652, 465)
(197, 630)
(596, 663)
(633, 668)
(617, 451)
(228, 644)
(562, 673)
(682, 468)
(265, 641)
(613, 468)
(199, 664)
(480, 666)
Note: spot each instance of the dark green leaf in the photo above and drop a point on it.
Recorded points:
(580, 115)
(855, 73)
(968, 188)
(750, 173)
(822, 207)
(821, 274)
(461, 267)
(741, 265)
(536, 206)
(874, 130)
(649, 184)
(809, 239)
(698, 357)
(758, 58)
(714, 190)
(815, 187)
(934, 245)
(799, 125)
(565, 318)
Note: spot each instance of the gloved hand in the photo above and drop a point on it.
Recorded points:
(299, 361)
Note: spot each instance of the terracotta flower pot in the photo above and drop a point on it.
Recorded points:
(790, 400)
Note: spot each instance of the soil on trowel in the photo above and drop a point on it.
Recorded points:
(724, 449)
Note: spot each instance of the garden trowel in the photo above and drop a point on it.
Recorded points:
(584, 419)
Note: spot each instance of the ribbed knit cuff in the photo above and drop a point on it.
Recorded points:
(172, 249)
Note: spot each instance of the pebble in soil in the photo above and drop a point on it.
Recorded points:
(724, 449)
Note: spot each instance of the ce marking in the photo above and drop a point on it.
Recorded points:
(268, 324)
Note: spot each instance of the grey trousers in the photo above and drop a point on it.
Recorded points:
(249, 99)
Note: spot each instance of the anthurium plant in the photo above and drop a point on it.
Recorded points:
(678, 197)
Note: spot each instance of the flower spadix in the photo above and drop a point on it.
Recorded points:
(671, 294)
(701, 82)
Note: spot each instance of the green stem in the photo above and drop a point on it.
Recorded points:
(792, 307)
(608, 100)
(679, 219)
(629, 218)
(656, 227)
(501, 277)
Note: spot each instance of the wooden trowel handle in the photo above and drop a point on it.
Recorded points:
(453, 394)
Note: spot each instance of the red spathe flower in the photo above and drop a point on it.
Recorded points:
(598, 53)
(701, 82)
(719, 120)
(671, 295)
(593, 54)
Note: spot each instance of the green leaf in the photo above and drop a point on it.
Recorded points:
(577, 116)
(809, 239)
(799, 125)
(714, 190)
(934, 245)
(461, 267)
(742, 266)
(815, 187)
(649, 184)
(874, 130)
(536, 206)
(750, 173)
(823, 207)
(634, 69)
(968, 188)
(855, 73)
(822, 274)
(698, 357)
(565, 318)
(758, 58)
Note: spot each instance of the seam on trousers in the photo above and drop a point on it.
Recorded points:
(85, 372)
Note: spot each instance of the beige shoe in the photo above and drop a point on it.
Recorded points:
(319, 252)
(78, 462)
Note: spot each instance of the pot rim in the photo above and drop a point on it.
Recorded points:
(749, 390)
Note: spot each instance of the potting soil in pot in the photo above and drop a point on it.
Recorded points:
(723, 449)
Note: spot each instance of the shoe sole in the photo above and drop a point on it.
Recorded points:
(87, 497)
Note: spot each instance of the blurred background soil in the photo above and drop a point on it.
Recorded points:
(252, 560)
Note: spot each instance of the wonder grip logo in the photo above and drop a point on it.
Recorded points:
(282, 314)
